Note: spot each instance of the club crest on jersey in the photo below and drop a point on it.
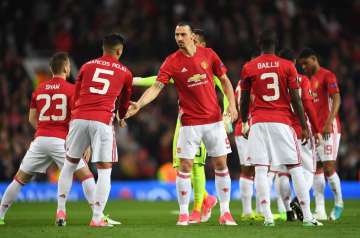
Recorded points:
(204, 65)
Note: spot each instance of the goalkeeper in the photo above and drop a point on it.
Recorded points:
(203, 202)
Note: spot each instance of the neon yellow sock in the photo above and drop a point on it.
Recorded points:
(198, 182)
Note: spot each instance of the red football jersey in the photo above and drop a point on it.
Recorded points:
(323, 85)
(99, 84)
(193, 79)
(305, 94)
(270, 77)
(52, 101)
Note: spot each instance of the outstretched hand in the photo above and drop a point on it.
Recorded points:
(132, 110)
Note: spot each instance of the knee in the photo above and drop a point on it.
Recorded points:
(329, 169)
(22, 177)
(219, 163)
(185, 165)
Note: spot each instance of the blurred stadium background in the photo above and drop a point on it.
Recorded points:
(31, 31)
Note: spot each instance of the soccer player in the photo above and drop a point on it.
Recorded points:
(307, 150)
(49, 115)
(99, 84)
(272, 141)
(327, 101)
(192, 69)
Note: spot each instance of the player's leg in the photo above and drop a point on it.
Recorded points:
(246, 181)
(246, 184)
(329, 165)
(319, 189)
(76, 143)
(35, 161)
(103, 147)
(282, 186)
(20, 179)
(218, 146)
(280, 205)
(258, 152)
(183, 155)
(84, 175)
(198, 183)
(287, 152)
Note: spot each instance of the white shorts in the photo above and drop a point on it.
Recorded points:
(42, 153)
(273, 144)
(242, 146)
(308, 158)
(84, 133)
(212, 135)
(328, 149)
(308, 155)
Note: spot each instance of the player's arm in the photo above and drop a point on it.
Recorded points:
(299, 111)
(33, 118)
(78, 85)
(334, 92)
(229, 93)
(146, 81)
(124, 97)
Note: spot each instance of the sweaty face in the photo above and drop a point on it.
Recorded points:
(308, 65)
(183, 36)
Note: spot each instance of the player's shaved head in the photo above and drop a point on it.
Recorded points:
(267, 41)
(58, 62)
(113, 43)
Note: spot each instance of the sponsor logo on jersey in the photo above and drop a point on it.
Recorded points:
(196, 78)
(184, 70)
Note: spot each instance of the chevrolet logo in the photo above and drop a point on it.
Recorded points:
(196, 78)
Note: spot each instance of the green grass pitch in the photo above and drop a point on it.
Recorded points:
(157, 219)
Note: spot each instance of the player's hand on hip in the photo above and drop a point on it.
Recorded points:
(326, 131)
(122, 123)
(305, 135)
(233, 113)
(132, 110)
(318, 139)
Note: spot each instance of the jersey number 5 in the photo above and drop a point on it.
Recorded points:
(62, 106)
(274, 86)
(105, 82)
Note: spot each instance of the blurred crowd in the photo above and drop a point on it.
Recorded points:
(41, 27)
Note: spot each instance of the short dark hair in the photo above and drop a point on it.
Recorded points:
(201, 33)
(184, 23)
(306, 53)
(112, 40)
(287, 54)
(57, 62)
(267, 39)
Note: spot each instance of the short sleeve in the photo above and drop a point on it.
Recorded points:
(33, 101)
(245, 79)
(305, 88)
(218, 66)
(331, 84)
(165, 72)
(292, 77)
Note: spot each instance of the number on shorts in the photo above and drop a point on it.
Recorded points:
(274, 86)
(105, 82)
(48, 100)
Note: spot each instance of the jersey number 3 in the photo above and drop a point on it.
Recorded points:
(48, 100)
(274, 86)
(105, 82)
